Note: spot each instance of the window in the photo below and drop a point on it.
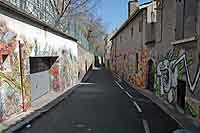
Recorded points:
(40, 64)
(186, 15)
(140, 26)
(131, 32)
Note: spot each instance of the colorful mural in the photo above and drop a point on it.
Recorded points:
(139, 77)
(64, 71)
(125, 65)
(9, 72)
(85, 61)
(18, 43)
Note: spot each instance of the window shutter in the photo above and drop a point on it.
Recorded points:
(179, 19)
(190, 18)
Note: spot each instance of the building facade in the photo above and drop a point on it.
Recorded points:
(129, 53)
(107, 47)
(177, 52)
(157, 48)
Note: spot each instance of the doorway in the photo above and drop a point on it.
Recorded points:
(150, 75)
(181, 93)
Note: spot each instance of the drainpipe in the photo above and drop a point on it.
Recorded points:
(21, 75)
(161, 21)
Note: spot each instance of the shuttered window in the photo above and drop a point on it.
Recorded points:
(186, 13)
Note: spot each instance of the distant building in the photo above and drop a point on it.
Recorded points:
(108, 46)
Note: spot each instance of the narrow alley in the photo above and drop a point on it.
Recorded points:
(100, 66)
(103, 105)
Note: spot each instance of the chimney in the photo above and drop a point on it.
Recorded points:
(133, 6)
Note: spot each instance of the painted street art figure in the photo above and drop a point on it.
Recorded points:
(9, 72)
(54, 74)
(63, 72)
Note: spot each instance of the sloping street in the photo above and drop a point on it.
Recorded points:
(103, 105)
(100, 66)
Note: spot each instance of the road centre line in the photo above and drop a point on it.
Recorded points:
(146, 126)
(135, 103)
(119, 85)
(137, 106)
(123, 89)
(128, 94)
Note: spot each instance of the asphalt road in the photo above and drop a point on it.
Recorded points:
(102, 105)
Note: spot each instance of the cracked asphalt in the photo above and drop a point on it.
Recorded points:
(100, 105)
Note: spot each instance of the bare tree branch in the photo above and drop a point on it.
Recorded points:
(54, 6)
(82, 4)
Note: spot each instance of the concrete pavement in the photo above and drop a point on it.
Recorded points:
(103, 105)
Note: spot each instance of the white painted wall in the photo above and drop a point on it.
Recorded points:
(39, 84)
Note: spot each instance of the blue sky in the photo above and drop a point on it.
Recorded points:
(114, 12)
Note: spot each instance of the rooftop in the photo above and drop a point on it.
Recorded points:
(141, 7)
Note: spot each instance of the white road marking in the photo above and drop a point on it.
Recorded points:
(137, 106)
(123, 89)
(86, 83)
(128, 94)
(119, 85)
(146, 126)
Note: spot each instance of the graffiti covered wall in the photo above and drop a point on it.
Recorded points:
(26, 50)
(63, 71)
(10, 98)
(131, 64)
(85, 61)
(140, 76)
(179, 65)
(175, 65)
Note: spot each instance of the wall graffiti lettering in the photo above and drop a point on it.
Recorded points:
(192, 84)
(167, 79)
(171, 69)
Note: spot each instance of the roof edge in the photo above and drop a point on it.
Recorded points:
(141, 7)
